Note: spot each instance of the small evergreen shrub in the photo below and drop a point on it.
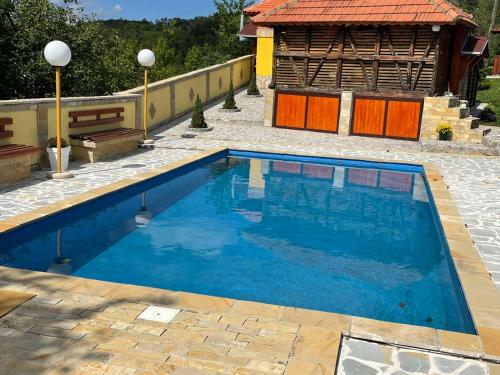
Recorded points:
(52, 142)
(253, 89)
(230, 103)
(198, 119)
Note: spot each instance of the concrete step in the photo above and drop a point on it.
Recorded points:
(458, 148)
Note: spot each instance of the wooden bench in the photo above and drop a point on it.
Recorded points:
(97, 145)
(15, 160)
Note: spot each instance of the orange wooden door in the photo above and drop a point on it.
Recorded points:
(369, 116)
(323, 113)
(403, 119)
(290, 111)
(496, 65)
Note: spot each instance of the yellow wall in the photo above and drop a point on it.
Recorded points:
(160, 98)
(182, 89)
(23, 126)
(129, 121)
(225, 75)
(245, 67)
(264, 63)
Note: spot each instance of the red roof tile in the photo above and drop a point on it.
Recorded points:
(359, 12)
(249, 30)
(263, 6)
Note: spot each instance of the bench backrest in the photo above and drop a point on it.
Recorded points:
(77, 122)
(5, 133)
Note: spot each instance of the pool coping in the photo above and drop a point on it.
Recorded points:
(482, 296)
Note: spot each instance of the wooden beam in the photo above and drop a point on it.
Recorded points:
(277, 33)
(306, 59)
(340, 60)
(376, 63)
(393, 53)
(322, 59)
(361, 62)
(421, 64)
(356, 57)
(411, 52)
(292, 62)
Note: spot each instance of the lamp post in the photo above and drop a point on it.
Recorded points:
(144, 216)
(146, 58)
(60, 265)
(58, 55)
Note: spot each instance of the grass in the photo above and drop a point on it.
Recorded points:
(492, 97)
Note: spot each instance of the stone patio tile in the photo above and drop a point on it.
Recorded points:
(206, 367)
(201, 303)
(490, 337)
(255, 309)
(303, 367)
(56, 332)
(316, 318)
(267, 353)
(459, 343)
(317, 344)
(402, 334)
(272, 326)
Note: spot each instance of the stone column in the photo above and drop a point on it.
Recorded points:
(345, 112)
(268, 106)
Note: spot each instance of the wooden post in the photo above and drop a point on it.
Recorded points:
(340, 61)
(58, 118)
(145, 104)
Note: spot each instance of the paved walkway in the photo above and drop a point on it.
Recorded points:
(104, 335)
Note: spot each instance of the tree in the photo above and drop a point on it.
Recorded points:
(253, 89)
(228, 19)
(230, 103)
(202, 56)
(198, 119)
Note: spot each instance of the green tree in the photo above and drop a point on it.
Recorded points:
(230, 103)
(202, 56)
(228, 20)
(198, 119)
(253, 89)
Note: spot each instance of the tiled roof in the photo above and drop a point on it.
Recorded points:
(263, 6)
(475, 46)
(249, 30)
(362, 12)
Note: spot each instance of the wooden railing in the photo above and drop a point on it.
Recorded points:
(98, 120)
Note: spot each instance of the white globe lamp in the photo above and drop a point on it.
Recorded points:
(58, 55)
(146, 58)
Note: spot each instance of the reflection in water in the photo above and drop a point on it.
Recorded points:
(143, 218)
(60, 265)
(325, 237)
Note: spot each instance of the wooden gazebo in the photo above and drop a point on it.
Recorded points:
(390, 54)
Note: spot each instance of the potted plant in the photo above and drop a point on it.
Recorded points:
(445, 131)
(253, 90)
(52, 151)
(230, 103)
(198, 119)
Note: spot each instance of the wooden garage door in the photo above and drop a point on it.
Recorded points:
(387, 117)
(310, 112)
(291, 110)
(369, 116)
(323, 113)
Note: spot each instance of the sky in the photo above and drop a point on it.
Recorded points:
(149, 9)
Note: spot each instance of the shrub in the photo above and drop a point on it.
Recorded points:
(198, 119)
(52, 142)
(444, 129)
(230, 103)
(253, 89)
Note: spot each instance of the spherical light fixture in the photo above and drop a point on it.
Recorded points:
(146, 58)
(57, 53)
(436, 28)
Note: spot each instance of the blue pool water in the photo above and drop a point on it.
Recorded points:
(356, 238)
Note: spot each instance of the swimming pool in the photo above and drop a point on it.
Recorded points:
(352, 237)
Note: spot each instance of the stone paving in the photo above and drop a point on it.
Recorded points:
(47, 326)
(367, 358)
